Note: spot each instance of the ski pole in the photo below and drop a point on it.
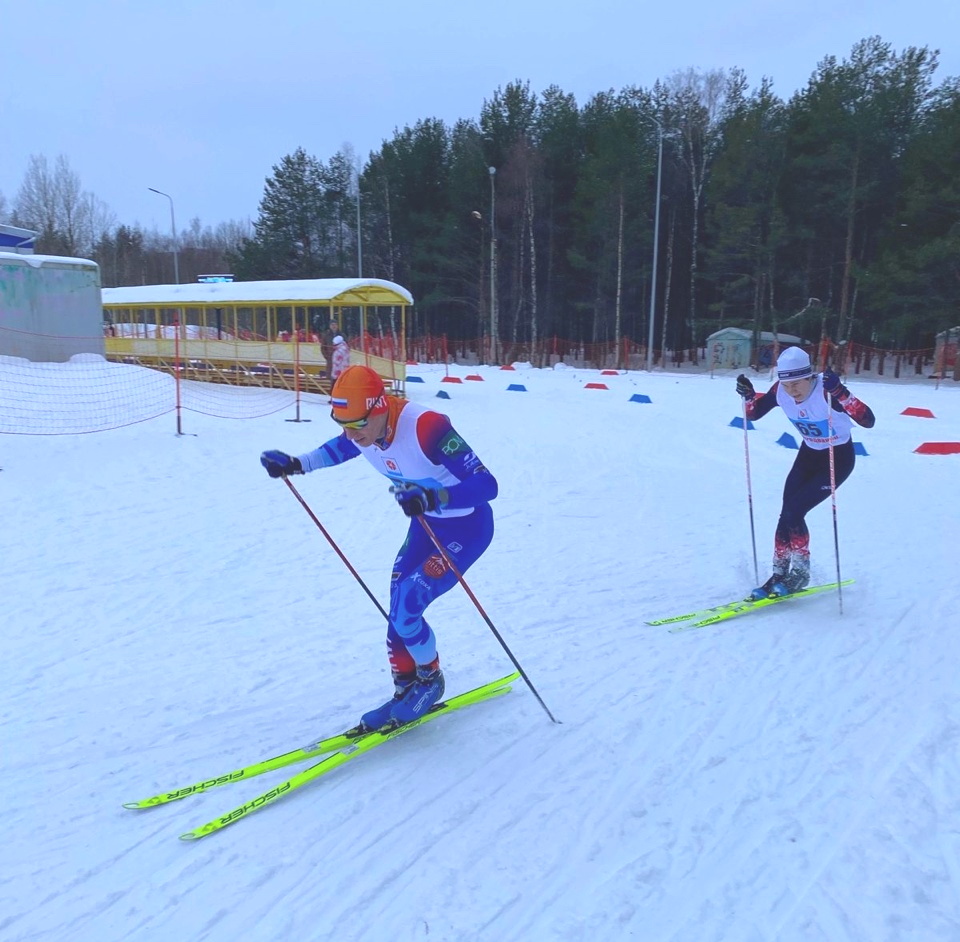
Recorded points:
(833, 496)
(446, 558)
(346, 561)
(753, 532)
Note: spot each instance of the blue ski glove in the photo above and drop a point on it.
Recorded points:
(279, 463)
(745, 387)
(414, 499)
(832, 385)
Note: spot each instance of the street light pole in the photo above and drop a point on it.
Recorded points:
(493, 265)
(656, 244)
(173, 230)
(481, 278)
(359, 228)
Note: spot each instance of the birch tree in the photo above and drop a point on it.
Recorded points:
(52, 201)
(698, 102)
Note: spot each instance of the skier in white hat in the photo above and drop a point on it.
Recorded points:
(807, 399)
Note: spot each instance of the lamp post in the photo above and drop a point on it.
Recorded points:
(173, 230)
(493, 265)
(481, 280)
(359, 228)
(656, 243)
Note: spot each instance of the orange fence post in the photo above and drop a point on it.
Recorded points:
(177, 370)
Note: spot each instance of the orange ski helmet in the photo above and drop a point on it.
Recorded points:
(357, 394)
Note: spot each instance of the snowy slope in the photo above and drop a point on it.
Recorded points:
(170, 612)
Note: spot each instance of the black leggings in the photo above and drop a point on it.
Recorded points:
(808, 484)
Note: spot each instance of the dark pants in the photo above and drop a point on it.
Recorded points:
(807, 485)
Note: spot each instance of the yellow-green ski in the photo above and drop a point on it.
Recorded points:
(321, 747)
(355, 748)
(707, 616)
(751, 605)
(310, 751)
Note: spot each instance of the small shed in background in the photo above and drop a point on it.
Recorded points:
(49, 307)
(732, 348)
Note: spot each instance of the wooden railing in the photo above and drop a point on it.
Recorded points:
(246, 362)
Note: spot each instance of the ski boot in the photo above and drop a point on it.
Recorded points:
(420, 696)
(775, 587)
(382, 715)
(799, 576)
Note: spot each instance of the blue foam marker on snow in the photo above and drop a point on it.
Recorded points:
(516, 387)
(639, 397)
(787, 440)
(858, 449)
(443, 394)
(738, 423)
(414, 379)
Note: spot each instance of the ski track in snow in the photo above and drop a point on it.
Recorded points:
(787, 776)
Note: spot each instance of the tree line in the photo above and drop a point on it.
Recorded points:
(835, 213)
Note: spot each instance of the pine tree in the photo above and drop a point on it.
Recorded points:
(289, 239)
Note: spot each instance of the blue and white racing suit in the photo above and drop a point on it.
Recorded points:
(422, 447)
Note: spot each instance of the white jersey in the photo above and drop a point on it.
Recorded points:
(814, 417)
(404, 459)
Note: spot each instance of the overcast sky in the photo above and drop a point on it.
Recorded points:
(201, 99)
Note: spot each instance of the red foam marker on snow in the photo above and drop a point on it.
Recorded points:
(451, 379)
(922, 413)
(475, 376)
(596, 386)
(506, 366)
(938, 448)
(609, 373)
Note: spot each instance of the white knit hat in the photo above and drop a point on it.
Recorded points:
(792, 364)
(338, 339)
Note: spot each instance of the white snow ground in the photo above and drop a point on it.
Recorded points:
(169, 612)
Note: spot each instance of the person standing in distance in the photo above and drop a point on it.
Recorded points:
(433, 472)
(326, 347)
(341, 357)
(813, 404)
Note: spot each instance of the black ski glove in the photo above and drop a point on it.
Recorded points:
(279, 463)
(414, 499)
(832, 385)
